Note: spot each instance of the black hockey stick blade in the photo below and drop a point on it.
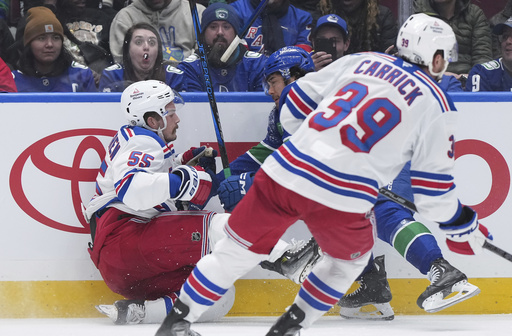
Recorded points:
(209, 90)
(411, 206)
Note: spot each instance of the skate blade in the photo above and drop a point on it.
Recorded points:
(109, 310)
(377, 311)
(463, 290)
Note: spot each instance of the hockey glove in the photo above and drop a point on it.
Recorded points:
(233, 189)
(192, 156)
(468, 237)
(196, 186)
(207, 162)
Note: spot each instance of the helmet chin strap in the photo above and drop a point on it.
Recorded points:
(159, 131)
(438, 75)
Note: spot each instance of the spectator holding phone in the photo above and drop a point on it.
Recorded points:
(330, 40)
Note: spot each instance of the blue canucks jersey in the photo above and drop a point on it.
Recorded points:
(296, 25)
(489, 76)
(78, 78)
(112, 79)
(245, 76)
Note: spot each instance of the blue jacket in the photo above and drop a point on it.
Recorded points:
(245, 76)
(78, 78)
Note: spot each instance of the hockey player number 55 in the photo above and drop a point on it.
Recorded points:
(375, 119)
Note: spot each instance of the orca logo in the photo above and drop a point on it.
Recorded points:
(35, 158)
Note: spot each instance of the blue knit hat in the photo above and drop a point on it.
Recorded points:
(220, 12)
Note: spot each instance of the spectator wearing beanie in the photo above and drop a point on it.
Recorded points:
(243, 71)
(45, 65)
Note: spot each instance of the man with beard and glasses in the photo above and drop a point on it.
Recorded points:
(243, 71)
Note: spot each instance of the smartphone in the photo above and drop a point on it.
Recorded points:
(327, 45)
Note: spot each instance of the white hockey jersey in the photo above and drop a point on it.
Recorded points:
(354, 125)
(134, 176)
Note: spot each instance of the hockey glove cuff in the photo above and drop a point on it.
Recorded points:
(196, 185)
(467, 238)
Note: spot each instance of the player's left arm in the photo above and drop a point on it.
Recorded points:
(434, 189)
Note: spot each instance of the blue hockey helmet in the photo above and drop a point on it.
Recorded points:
(286, 58)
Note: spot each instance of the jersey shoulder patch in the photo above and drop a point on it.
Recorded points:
(252, 54)
(192, 58)
(113, 67)
(173, 69)
(77, 65)
(491, 65)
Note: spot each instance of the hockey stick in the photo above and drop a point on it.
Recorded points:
(238, 38)
(209, 90)
(411, 206)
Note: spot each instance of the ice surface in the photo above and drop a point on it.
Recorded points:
(431, 325)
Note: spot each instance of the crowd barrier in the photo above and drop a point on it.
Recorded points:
(54, 143)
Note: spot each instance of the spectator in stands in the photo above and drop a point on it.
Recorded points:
(330, 39)
(471, 29)
(372, 26)
(172, 19)
(142, 60)
(6, 81)
(89, 25)
(307, 5)
(279, 25)
(82, 26)
(243, 71)
(495, 75)
(499, 17)
(6, 40)
(45, 64)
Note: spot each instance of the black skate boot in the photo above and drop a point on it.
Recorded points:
(297, 262)
(445, 279)
(373, 291)
(175, 324)
(124, 311)
(288, 323)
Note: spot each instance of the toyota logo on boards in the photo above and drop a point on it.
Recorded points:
(64, 164)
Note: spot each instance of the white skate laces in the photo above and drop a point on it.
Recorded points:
(449, 286)
(370, 301)
(124, 311)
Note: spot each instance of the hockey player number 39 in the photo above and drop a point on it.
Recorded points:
(376, 118)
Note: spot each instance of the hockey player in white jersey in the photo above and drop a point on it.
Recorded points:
(366, 116)
(143, 247)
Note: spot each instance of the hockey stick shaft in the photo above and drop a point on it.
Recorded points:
(411, 206)
(236, 41)
(209, 90)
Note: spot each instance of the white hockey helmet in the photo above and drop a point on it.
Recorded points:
(147, 96)
(421, 36)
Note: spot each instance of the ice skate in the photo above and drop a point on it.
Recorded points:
(445, 280)
(175, 324)
(297, 262)
(124, 311)
(288, 323)
(370, 301)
